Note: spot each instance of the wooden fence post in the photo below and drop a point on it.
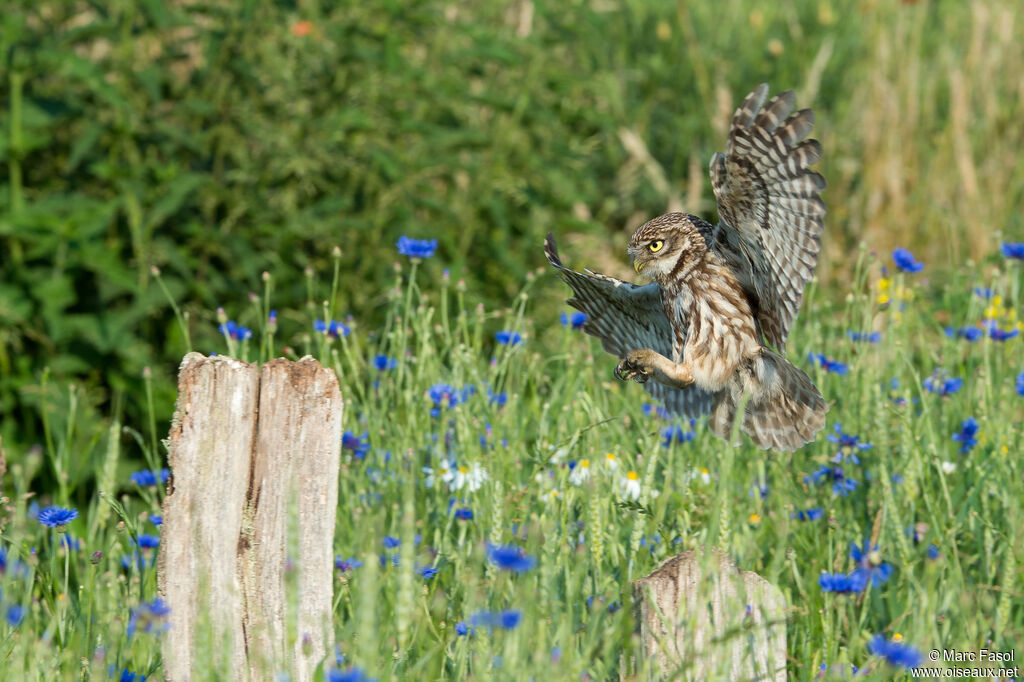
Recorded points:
(246, 560)
(700, 618)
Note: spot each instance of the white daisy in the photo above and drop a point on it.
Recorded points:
(580, 473)
(611, 461)
(472, 477)
(445, 473)
(631, 485)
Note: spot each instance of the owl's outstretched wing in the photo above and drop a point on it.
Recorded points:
(628, 317)
(770, 212)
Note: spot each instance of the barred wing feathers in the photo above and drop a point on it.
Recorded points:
(770, 212)
(628, 317)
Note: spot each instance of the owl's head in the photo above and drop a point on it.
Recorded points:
(663, 247)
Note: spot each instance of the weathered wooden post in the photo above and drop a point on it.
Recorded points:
(246, 556)
(700, 618)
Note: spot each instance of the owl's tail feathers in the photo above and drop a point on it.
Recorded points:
(784, 409)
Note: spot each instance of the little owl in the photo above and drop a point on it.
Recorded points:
(708, 335)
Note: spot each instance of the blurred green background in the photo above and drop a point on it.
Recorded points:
(219, 140)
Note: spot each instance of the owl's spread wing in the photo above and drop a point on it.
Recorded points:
(770, 212)
(628, 317)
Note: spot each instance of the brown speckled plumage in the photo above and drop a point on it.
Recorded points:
(710, 332)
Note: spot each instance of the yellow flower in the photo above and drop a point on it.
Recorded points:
(883, 291)
(755, 518)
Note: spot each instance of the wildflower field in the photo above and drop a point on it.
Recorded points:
(370, 183)
(496, 499)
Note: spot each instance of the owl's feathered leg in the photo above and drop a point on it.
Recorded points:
(641, 365)
(784, 409)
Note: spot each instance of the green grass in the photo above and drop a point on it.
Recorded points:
(590, 540)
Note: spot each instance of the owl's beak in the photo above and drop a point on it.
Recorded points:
(637, 266)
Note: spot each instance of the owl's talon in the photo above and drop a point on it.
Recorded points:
(627, 369)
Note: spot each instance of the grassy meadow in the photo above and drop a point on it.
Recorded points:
(173, 183)
(468, 428)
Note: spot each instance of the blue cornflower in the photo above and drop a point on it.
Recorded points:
(966, 435)
(390, 542)
(655, 411)
(983, 292)
(156, 520)
(461, 629)
(416, 248)
(848, 443)
(650, 542)
(151, 616)
(676, 434)
(333, 328)
(383, 362)
(235, 330)
(15, 615)
(498, 399)
(894, 652)
(508, 338)
(359, 445)
(841, 485)
(972, 334)
(828, 365)
(346, 565)
(1013, 250)
(1020, 384)
(839, 583)
(54, 517)
(872, 337)
(905, 261)
(839, 670)
(942, 384)
(997, 334)
(147, 541)
(349, 675)
(870, 567)
(126, 675)
(464, 514)
(510, 558)
(933, 551)
(148, 477)
(808, 514)
(507, 619)
(426, 572)
(575, 320)
(447, 396)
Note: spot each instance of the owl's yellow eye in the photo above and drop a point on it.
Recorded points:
(656, 245)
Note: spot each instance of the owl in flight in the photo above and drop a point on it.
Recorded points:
(708, 335)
